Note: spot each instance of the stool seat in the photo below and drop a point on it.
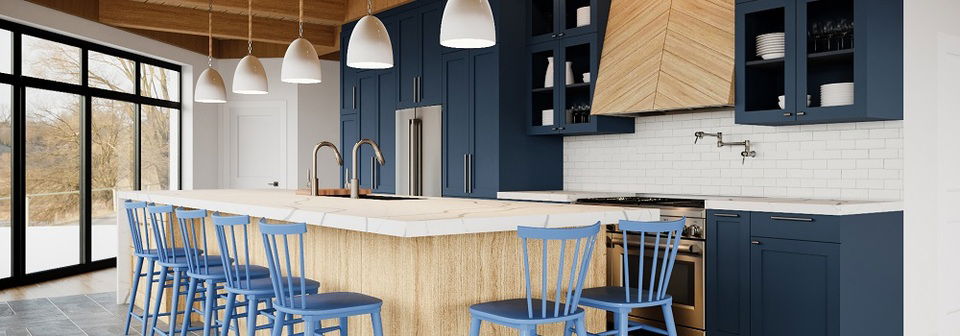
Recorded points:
(220, 273)
(516, 310)
(334, 303)
(263, 286)
(155, 253)
(615, 296)
(212, 260)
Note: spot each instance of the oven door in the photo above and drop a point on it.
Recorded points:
(686, 281)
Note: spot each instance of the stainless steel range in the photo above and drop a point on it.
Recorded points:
(687, 280)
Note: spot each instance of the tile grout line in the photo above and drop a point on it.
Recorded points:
(99, 304)
(67, 316)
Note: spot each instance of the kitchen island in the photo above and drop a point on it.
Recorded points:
(429, 259)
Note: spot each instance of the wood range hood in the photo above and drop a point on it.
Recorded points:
(665, 55)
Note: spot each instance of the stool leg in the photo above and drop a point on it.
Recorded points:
(208, 314)
(568, 328)
(156, 302)
(228, 315)
(582, 327)
(133, 293)
(146, 298)
(344, 326)
(474, 326)
(278, 324)
(188, 309)
(622, 321)
(176, 302)
(252, 313)
(668, 319)
(377, 323)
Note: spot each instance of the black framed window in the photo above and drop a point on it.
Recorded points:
(78, 122)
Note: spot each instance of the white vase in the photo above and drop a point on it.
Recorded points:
(570, 79)
(548, 77)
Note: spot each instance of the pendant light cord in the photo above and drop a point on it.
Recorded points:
(249, 27)
(210, 34)
(301, 19)
(369, 7)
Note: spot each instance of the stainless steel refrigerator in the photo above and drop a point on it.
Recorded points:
(419, 151)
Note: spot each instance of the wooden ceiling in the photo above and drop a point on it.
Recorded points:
(183, 23)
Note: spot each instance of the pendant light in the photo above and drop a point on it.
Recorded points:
(468, 24)
(210, 88)
(301, 64)
(250, 77)
(370, 46)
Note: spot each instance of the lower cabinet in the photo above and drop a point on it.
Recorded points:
(774, 274)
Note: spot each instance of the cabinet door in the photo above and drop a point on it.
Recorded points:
(827, 60)
(349, 135)
(728, 272)
(761, 81)
(457, 126)
(795, 288)
(430, 74)
(484, 169)
(385, 175)
(348, 80)
(369, 106)
(409, 57)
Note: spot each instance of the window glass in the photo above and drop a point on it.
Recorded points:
(160, 83)
(50, 60)
(6, 147)
(112, 153)
(52, 179)
(155, 147)
(111, 72)
(6, 51)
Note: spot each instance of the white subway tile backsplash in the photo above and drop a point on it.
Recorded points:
(859, 161)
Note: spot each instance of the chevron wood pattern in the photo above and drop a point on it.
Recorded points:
(666, 55)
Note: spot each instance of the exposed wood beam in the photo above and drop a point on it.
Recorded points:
(86, 9)
(356, 9)
(330, 12)
(138, 15)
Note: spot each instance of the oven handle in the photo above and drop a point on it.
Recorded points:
(684, 248)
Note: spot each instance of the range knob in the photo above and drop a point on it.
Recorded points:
(693, 231)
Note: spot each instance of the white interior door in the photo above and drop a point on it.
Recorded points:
(948, 165)
(256, 145)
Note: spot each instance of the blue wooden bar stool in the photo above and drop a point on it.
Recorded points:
(525, 314)
(206, 276)
(142, 251)
(232, 235)
(290, 286)
(665, 237)
(172, 259)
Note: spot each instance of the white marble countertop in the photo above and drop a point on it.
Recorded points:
(761, 204)
(401, 218)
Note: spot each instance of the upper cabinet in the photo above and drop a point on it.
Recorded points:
(564, 55)
(666, 55)
(819, 61)
(418, 54)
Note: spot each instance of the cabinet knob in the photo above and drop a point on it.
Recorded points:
(554, 35)
(561, 34)
(801, 113)
(756, 242)
(787, 114)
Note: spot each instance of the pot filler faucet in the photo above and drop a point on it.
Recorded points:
(354, 181)
(315, 181)
(747, 152)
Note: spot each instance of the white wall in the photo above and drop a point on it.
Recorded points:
(197, 149)
(860, 161)
(931, 261)
(312, 113)
(318, 120)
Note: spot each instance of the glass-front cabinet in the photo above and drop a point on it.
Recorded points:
(818, 61)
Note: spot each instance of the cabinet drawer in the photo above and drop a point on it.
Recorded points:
(796, 226)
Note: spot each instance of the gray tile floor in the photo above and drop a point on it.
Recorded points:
(93, 315)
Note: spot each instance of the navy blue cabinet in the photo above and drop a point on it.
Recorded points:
(776, 274)
(376, 104)
(812, 58)
(728, 272)
(418, 53)
(561, 108)
(795, 287)
(349, 135)
(457, 123)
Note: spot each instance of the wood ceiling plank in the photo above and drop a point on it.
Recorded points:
(329, 12)
(355, 9)
(138, 15)
(238, 49)
(87, 9)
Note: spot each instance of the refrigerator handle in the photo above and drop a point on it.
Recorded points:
(414, 143)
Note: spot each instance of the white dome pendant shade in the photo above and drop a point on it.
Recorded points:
(370, 46)
(301, 64)
(468, 24)
(250, 77)
(210, 88)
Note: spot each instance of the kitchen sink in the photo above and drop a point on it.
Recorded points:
(379, 197)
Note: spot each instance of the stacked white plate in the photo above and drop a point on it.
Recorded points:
(836, 94)
(770, 46)
(583, 16)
